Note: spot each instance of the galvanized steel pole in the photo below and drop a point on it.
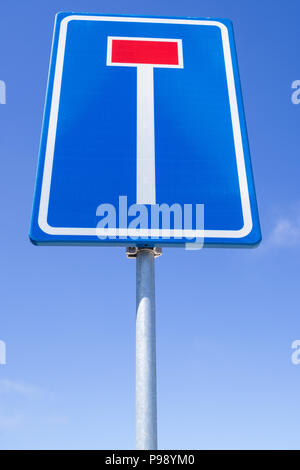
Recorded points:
(146, 405)
(146, 394)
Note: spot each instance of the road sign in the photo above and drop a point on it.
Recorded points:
(144, 139)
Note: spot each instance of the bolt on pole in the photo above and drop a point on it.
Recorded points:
(146, 392)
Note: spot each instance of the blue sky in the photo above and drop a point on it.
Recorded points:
(226, 319)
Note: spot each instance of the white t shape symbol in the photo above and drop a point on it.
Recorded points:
(145, 54)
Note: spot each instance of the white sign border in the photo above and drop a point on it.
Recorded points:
(153, 233)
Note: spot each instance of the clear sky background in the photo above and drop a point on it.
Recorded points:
(225, 318)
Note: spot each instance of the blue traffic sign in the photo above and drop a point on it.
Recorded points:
(144, 139)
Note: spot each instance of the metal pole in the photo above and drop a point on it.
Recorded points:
(146, 402)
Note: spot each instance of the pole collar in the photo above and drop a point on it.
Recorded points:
(132, 251)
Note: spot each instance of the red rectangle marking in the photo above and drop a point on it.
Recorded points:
(144, 52)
